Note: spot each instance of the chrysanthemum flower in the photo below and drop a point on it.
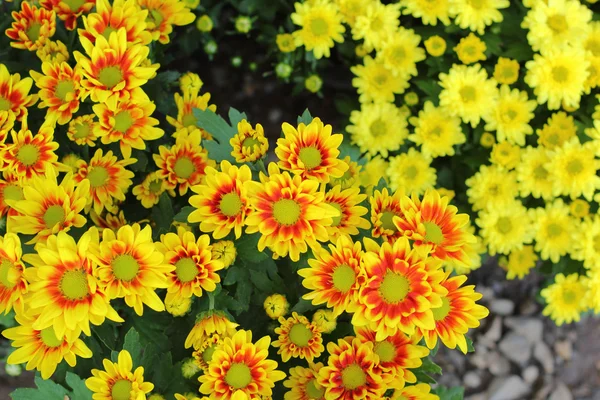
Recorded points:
(42, 349)
(351, 9)
(411, 172)
(239, 369)
(401, 52)
(130, 266)
(109, 18)
(64, 291)
(185, 109)
(303, 385)
(321, 26)
(129, 124)
(53, 52)
(471, 49)
(82, 130)
(565, 298)
(14, 100)
(163, 15)
(558, 76)
(183, 164)
(505, 229)
(351, 177)
(586, 244)
(248, 144)
(436, 131)
(195, 270)
(68, 11)
(401, 289)
(59, 90)
(113, 73)
(32, 27)
(375, 82)
(370, 176)
(429, 11)
(377, 24)
(575, 168)
(351, 372)
(520, 262)
(13, 284)
(350, 219)
(555, 230)
(118, 380)
(506, 155)
(435, 46)
(11, 189)
(190, 82)
(506, 71)
(467, 92)
(48, 207)
(384, 207)
(420, 391)
(559, 129)
(335, 276)
(325, 320)
(148, 192)
(221, 203)
(510, 116)
(113, 221)
(289, 212)
(207, 324)
(298, 338)
(378, 128)
(492, 186)
(593, 287)
(477, 15)
(579, 208)
(109, 180)
(224, 251)
(310, 151)
(276, 305)
(30, 155)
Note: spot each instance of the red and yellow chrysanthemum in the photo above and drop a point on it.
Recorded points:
(53, 52)
(289, 212)
(311, 151)
(351, 177)
(109, 221)
(32, 27)
(207, 324)
(221, 202)
(148, 192)
(59, 90)
(11, 189)
(42, 349)
(109, 180)
(14, 100)
(401, 289)
(183, 164)
(64, 291)
(456, 316)
(30, 155)
(82, 130)
(420, 391)
(68, 10)
(130, 124)
(384, 207)
(303, 385)
(185, 109)
(347, 203)
(119, 380)
(113, 71)
(109, 18)
(248, 144)
(163, 14)
(435, 227)
(351, 372)
(298, 338)
(130, 266)
(49, 207)
(335, 276)
(239, 369)
(13, 284)
(195, 270)
(204, 354)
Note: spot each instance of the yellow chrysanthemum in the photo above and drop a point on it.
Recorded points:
(224, 251)
(321, 26)
(535, 174)
(377, 24)
(298, 338)
(579, 208)
(429, 11)
(575, 169)
(325, 320)
(303, 385)
(401, 52)
(163, 15)
(506, 71)
(487, 140)
(352, 9)
(30, 155)
(376, 82)
(350, 219)
(586, 246)
(351, 177)
(520, 262)
(276, 305)
(491, 186)
(54, 52)
(505, 229)
(185, 109)
(510, 116)
(555, 230)
(13, 284)
(420, 391)
(32, 27)
(207, 324)
(559, 128)
(371, 173)
(506, 155)
(435, 45)
(148, 192)
(476, 15)
(436, 131)
(470, 49)
(82, 130)
(565, 298)
(411, 172)
(248, 144)
(285, 42)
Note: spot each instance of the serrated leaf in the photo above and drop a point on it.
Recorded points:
(233, 274)
(305, 118)
(243, 291)
(133, 346)
(454, 393)
(142, 161)
(303, 306)
(219, 151)
(182, 215)
(46, 390)
(235, 116)
(262, 282)
(163, 214)
(470, 348)
(220, 130)
(429, 366)
(78, 388)
(247, 248)
(106, 334)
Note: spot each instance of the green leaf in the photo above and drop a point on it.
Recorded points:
(233, 274)
(220, 130)
(78, 388)
(303, 306)
(235, 116)
(470, 348)
(262, 282)
(247, 248)
(219, 151)
(142, 161)
(106, 334)
(163, 214)
(429, 366)
(183, 214)
(305, 118)
(8, 320)
(133, 346)
(46, 390)
(243, 291)
(455, 393)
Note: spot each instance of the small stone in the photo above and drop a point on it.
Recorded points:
(477, 396)
(528, 308)
(479, 360)
(531, 328)
(486, 293)
(516, 348)
(502, 307)
(561, 392)
(493, 334)
(511, 388)
(542, 353)
(472, 380)
(498, 365)
(543, 393)
(530, 374)
(564, 349)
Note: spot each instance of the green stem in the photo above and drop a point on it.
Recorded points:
(211, 301)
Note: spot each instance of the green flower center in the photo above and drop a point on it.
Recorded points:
(477, 4)
(108, 31)
(13, 192)
(123, 121)
(504, 225)
(410, 172)
(441, 312)
(300, 335)
(569, 296)
(230, 204)
(509, 115)
(82, 131)
(319, 27)
(554, 230)
(5, 104)
(207, 354)
(49, 338)
(436, 131)
(9, 274)
(33, 32)
(28, 155)
(250, 142)
(155, 186)
(156, 17)
(574, 167)
(188, 120)
(540, 173)
(286, 212)
(387, 220)
(380, 79)
(125, 267)
(63, 88)
(398, 54)
(184, 168)
(336, 220)
(74, 5)
(239, 376)
(353, 377)
(468, 94)
(98, 176)
(74, 285)
(121, 390)
(378, 127)
(343, 278)
(54, 214)
(394, 287)
(558, 23)
(593, 46)
(186, 269)
(110, 76)
(385, 350)
(560, 74)
(312, 391)
(433, 233)
(310, 157)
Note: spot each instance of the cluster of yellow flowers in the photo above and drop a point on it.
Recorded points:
(533, 198)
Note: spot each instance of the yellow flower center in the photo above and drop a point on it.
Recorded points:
(82, 131)
(74, 5)
(319, 27)
(441, 312)
(28, 155)
(54, 214)
(98, 176)
(387, 221)
(569, 296)
(110, 76)
(312, 391)
(343, 278)
(125, 267)
(508, 72)
(433, 233)
(74, 285)
(560, 74)
(5, 104)
(378, 127)
(286, 211)
(184, 168)
(436, 131)
(504, 225)
(558, 23)
(186, 269)
(63, 88)
(410, 172)
(230, 204)
(398, 54)
(33, 32)
(385, 350)
(554, 230)
(468, 93)
(574, 167)
(9, 274)
(250, 142)
(394, 287)
(336, 220)
(123, 121)
(353, 377)
(121, 390)
(207, 354)
(509, 115)
(239, 376)
(300, 335)
(188, 120)
(49, 338)
(380, 79)
(108, 31)
(310, 157)
(539, 172)
(13, 192)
